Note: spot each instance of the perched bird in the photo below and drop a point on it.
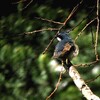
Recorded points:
(65, 49)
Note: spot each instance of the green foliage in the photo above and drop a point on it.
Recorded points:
(25, 74)
(71, 90)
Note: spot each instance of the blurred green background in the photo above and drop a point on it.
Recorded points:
(27, 74)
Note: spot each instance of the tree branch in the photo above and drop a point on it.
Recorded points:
(59, 80)
(81, 85)
(84, 28)
(97, 32)
(21, 1)
(50, 21)
(45, 29)
(87, 64)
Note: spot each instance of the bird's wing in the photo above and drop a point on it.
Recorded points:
(62, 48)
(58, 49)
(66, 48)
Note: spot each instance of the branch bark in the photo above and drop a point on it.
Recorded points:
(81, 85)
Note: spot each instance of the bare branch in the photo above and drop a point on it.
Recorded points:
(48, 20)
(97, 32)
(89, 14)
(84, 28)
(23, 1)
(50, 42)
(47, 29)
(72, 12)
(27, 5)
(91, 80)
(59, 80)
(87, 64)
(81, 85)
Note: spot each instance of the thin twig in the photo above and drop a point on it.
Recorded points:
(19, 1)
(87, 64)
(97, 32)
(23, 1)
(91, 80)
(63, 24)
(59, 80)
(89, 14)
(50, 43)
(72, 12)
(27, 5)
(84, 28)
(47, 29)
(48, 20)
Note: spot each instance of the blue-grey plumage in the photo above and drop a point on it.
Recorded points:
(64, 36)
(65, 49)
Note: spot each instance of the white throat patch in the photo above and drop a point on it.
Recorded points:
(59, 39)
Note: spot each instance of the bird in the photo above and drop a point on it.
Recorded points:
(65, 49)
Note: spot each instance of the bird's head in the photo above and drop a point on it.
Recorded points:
(63, 36)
